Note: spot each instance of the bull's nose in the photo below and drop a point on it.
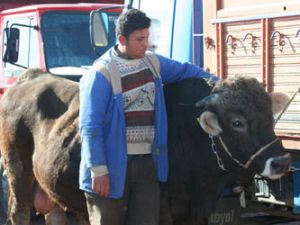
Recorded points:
(276, 167)
(281, 164)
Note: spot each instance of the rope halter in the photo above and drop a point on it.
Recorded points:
(248, 163)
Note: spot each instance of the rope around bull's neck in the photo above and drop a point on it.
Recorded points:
(247, 164)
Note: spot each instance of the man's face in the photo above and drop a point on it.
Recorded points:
(137, 43)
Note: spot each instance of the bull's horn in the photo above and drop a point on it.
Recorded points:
(208, 100)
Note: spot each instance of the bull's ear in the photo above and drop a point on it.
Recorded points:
(209, 123)
(279, 101)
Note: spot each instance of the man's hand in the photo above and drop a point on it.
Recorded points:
(101, 185)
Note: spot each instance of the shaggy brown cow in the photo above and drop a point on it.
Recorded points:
(39, 141)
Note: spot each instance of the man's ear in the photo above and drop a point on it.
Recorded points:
(122, 40)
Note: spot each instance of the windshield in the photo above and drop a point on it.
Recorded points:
(67, 41)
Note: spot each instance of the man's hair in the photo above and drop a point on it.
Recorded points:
(131, 21)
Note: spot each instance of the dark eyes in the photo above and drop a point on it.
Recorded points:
(237, 124)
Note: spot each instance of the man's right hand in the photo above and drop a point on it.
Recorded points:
(101, 185)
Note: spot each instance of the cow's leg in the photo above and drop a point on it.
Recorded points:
(20, 205)
(20, 181)
(56, 216)
(16, 146)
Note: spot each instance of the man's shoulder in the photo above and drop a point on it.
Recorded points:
(103, 61)
(151, 55)
(153, 63)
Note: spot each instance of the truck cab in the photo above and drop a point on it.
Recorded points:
(51, 37)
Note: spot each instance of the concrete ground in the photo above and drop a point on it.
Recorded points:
(39, 220)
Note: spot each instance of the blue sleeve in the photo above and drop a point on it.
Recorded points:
(95, 92)
(171, 70)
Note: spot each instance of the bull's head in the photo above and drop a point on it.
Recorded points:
(238, 115)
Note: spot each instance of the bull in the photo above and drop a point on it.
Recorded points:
(215, 135)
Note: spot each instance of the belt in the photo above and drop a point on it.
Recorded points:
(136, 156)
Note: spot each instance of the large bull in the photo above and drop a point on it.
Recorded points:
(229, 133)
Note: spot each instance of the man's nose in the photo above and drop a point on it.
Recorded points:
(145, 42)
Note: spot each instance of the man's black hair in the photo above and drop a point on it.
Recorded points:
(130, 21)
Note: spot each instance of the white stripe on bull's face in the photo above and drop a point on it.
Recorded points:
(210, 124)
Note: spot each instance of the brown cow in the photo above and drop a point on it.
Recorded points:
(40, 142)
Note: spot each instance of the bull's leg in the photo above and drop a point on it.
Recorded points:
(56, 216)
(20, 181)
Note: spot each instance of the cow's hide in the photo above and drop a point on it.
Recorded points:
(40, 142)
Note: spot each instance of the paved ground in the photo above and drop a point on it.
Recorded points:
(39, 220)
(72, 221)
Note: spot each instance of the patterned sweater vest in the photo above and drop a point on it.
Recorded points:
(138, 90)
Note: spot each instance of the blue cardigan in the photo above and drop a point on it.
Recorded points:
(102, 122)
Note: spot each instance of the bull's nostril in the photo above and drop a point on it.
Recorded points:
(275, 165)
(280, 164)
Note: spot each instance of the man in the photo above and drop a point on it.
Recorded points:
(123, 127)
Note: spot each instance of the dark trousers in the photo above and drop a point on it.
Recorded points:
(140, 203)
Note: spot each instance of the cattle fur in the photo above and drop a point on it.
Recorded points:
(40, 143)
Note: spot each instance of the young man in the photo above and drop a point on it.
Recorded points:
(123, 127)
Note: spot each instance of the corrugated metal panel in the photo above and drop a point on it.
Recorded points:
(250, 3)
(289, 121)
(285, 56)
(274, 61)
(240, 57)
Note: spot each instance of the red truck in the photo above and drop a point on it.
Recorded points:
(53, 37)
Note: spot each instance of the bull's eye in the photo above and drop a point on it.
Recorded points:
(237, 124)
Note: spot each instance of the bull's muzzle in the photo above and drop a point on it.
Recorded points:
(275, 167)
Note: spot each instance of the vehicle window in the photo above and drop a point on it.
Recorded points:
(13, 49)
(67, 41)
